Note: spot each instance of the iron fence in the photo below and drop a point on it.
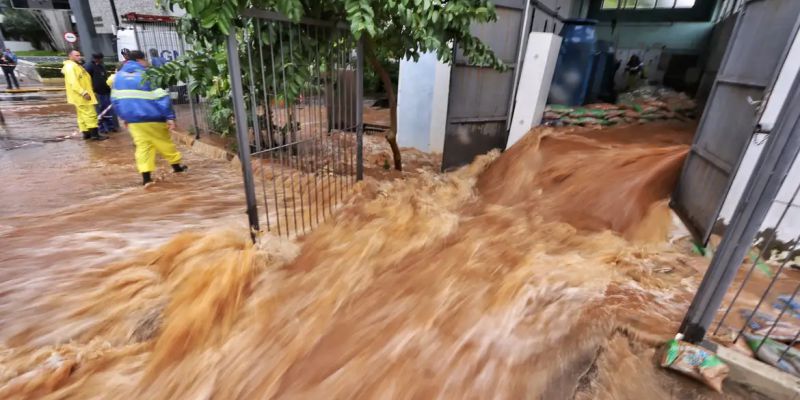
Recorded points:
(162, 43)
(756, 300)
(297, 96)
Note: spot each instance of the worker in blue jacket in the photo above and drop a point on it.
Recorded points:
(148, 114)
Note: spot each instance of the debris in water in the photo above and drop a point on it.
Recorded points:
(761, 323)
(779, 355)
(696, 362)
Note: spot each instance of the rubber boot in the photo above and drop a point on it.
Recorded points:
(178, 168)
(86, 135)
(95, 135)
(147, 181)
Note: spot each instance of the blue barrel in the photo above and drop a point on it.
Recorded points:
(575, 61)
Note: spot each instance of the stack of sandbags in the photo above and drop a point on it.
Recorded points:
(641, 105)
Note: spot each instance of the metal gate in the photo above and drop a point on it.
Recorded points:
(479, 105)
(763, 306)
(755, 52)
(297, 100)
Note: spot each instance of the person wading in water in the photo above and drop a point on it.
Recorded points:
(148, 114)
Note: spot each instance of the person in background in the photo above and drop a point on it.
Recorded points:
(634, 71)
(110, 80)
(148, 114)
(155, 59)
(9, 63)
(97, 70)
(78, 84)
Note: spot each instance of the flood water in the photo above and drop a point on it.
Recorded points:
(542, 273)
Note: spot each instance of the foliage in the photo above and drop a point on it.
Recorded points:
(373, 83)
(395, 29)
(39, 53)
(50, 70)
(22, 25)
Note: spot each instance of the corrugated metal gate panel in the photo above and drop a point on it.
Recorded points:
(752, 60)
(478, 105)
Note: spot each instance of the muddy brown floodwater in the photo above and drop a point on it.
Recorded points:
(541, 273)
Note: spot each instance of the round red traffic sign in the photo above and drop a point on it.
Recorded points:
(70, 37)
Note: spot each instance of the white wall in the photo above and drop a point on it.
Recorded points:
(790, 227)
(422, 94)
(534, 83)
(686, 37)
(17, 45)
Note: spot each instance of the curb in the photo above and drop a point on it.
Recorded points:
(760, 377)
(31, 90)
(207, 150)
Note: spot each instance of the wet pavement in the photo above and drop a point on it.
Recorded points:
(81, 202)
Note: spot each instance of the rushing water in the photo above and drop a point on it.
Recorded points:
(542, 273)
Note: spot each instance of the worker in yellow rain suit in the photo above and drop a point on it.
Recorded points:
(148, 114)
(78, 84)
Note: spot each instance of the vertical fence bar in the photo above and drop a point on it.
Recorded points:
(351, 116)
(289, 126)
(256, 120)
(317, 127)
(305, 129)
(332, 109)
(762, 188)
(340, 73)
(297, 148)
(273, 33)
(268, 117)
(324, 133)
(360, 110)
(237, 94)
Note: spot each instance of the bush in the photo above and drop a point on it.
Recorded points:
(50, 70)
(372, 82)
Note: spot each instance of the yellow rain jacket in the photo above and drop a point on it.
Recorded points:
(77, 82)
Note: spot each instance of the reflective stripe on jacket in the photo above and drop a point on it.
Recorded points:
(135, 100)
(77, 82)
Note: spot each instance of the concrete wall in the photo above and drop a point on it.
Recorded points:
(534, 84)
(59, 21)
(422, 95)
(17, 45)
(655, 43)
(790, 227)
(685, 37)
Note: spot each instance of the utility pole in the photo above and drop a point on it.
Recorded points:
(116, 18)
(2, 19)
(2, 38)
(87, 36)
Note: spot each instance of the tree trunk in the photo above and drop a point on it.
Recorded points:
(391, 136)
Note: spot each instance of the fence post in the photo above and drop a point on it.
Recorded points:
(189, 94)
(762, 188)
(360, 110)
(237, 94)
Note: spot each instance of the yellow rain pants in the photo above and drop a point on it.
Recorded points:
(150, 137)
(87, 117)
